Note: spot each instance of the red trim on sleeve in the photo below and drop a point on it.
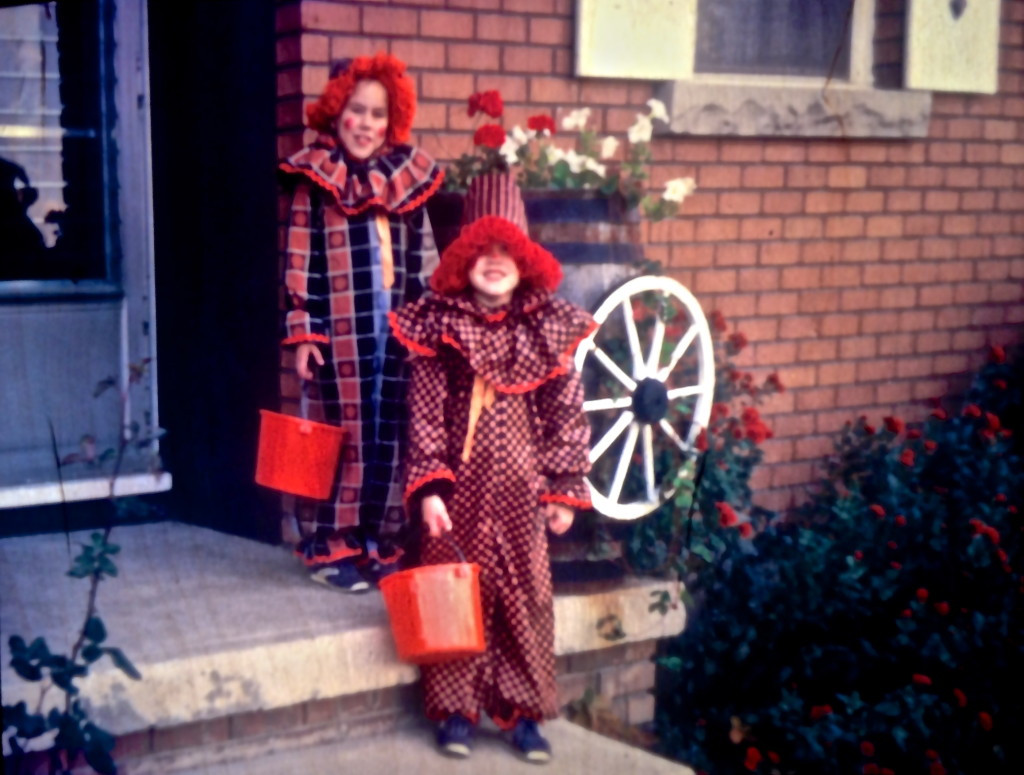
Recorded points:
(409, 344)
(304, 338)
(568, 500)
(431, 477)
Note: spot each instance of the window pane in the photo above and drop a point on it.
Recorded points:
(773, 37)
(56, 173)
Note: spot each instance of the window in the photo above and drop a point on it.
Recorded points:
(751, 67)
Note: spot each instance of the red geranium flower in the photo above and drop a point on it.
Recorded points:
(738, 341)
(488, 102)
(719, 411)
(895, 565)
(1000, 497)
(867, 748)
(746, 530)
(913, 433)
(869, 429)
(820, 711)
(727, 516)
(877, 510)
(961, 698)
(1000, 384)
(929, 446)
(870, 769)
(985, 719)
(907, 613)
(939, 414)
(773, 757)
(936, 769)
(540, 123)
(893, 424)
(717, 321)
(942, 608)
(996, 354)
(932, 754)
(900, 520)
(753, 759)
(491, 135)
(993, 421)
(972, 410)
(907, 457)
(922, 594)
(858, 555)
(923, 680)
(775, 383)
(701, 444)
(886, 771)
(891, 544)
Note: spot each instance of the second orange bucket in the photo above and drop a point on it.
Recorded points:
(296, 455)
(435, 612)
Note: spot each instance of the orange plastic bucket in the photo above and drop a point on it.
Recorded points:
(296, 455)
(435, 612)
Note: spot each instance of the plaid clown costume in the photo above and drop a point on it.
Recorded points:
(497, 429)
(358, 245)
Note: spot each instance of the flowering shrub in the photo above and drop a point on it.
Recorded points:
(592, 164)
(876, 630)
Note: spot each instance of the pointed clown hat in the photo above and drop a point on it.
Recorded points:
(494, 213)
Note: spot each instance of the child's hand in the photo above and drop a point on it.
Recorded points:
(558, 517)
(302, 353)
(435, 516)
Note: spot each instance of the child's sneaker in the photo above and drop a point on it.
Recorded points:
(455, 736)
(341, 575)
(530, 743)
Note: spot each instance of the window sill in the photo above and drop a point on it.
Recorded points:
(758, 108)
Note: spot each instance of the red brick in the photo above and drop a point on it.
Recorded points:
(861, 250)
(954, 225)
(848, 176)
(907, 153)
(693, 255)
(868, 151)
(951, 364)
(982, 153)
(877, 370)
(783, 202)
(739, 203)
(973, 247)
(455, 86)
(603, 93)
(736, 254)
(936, 296)
(837, 373)
(553, 90)
(564, 63)
(817, 350)
(420, 53)
(938, 248)
(795, 278)
(716, 281)
(813, 447)
(482, 5)
(717, 230)
(775, 353)
(472, 56)
(933, 341)
(858, 347)
(329, 16)
(741, 150)
(136, 744)
(825, 202)
(941, 201)
(988, 316)
(1000, 130)
(798, 424)
(822, 398)
(840, 325)
(881, 274)
(860, 298)
(786, 151)
(803, 228)
(818, 301)
(955, 271)
(964, 129)
(526, 59)
(840, 276)
(798, 327)
(390, 21)
(344, 46)
(1011, 200)
(996, 177)
(901, 249)
(962, 177)
(879, 322)
(886, 177)
(791, 473)
(925, 390)
(827, 151)
(922, 225)
(501, 27)
(945, 153)
(764, 176)
(686, 149)
(192, 735)
(1008, 246)
(903, 298)
(556, 32)
(804, 176)
(287, 18)
(978, 201)
(971, 293)
(865, 201)
(916, 320)
(447, 24)
(776, 303)
(885, 226)
(776, 253)
(855, 395)
(914, 367)
(969, 340)
(926, 177)
(895, 344)
(844, 226)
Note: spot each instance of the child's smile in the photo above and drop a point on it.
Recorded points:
(363, 122)
(494, 277)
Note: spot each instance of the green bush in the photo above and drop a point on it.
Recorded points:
(875, 630)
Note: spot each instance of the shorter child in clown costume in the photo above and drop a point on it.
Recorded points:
(359, 245)
(497, 452)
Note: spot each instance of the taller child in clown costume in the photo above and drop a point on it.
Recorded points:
(359, 244)
(497, 455)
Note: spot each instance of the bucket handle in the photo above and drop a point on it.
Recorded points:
(454, 544)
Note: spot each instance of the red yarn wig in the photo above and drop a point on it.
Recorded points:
(390, 72)
(537, 267)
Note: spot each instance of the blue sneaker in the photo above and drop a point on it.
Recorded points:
(341, 575)
(455, 736)
(530, 743)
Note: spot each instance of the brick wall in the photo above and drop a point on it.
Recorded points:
(869, 274)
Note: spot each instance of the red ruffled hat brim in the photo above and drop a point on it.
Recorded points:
(537, 267)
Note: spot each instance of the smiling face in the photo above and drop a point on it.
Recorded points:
(494, 277)
(363, 123)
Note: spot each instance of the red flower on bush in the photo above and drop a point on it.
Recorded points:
(820, 711)
(870, 769)
(961, 698)
(985, 719)
(891, 544)
(491, 135)
(996, 354)
(893, 424)
(717, 321)
(773, 757)
(929, 446)
(907, 613)
(726, 514)
(895, 565)
(886, 771)
(1000, 384)
(701, 444)
(540, 123)
(488, 102)
(867, 748)
(877, 510)
(942, 608)
(914, 433)
(719, 411)
(907, 457)
(900, 520)
(775, 383)
(993, 421)
(922, 680)
(746, 530)
(939, 414)
(922, 594)
(858, 555)
(738, 341)
(1000, 497)
(753, 759)
(932, 754)
(972, 410)
(936, 769)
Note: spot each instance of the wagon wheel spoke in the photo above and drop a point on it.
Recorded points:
(633, 338)
(648, 442)
(605, 404)
(683, 392)
(625, 458)
(671, 433)
(677, 353)
(657, 340)
(610, 436)
(613, 368)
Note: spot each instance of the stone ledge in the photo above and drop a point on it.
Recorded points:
(221, 626)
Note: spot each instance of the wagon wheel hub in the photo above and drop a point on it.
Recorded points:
(650, 401)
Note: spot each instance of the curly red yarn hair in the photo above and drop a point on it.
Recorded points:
(537, 267)
(389, 70)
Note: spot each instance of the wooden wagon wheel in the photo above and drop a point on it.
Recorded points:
(649, 376)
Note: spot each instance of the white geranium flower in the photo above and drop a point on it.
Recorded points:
(657, 110)
(554, 154)
(577, 119)
(608, 147)
(641, 131)
(521, 137)
(677, 189)
(575, 161)
(510, 150)
(594, 165)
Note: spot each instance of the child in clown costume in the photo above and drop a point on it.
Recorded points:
(359, 245)
(497, 453)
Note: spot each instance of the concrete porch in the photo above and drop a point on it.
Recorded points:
(247, 667)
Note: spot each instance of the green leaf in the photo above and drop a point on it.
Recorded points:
(123, 663)
(91, 652)
(107, 567)
(26, 669)
(95, 630)
(889, 708)
(17, 644)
